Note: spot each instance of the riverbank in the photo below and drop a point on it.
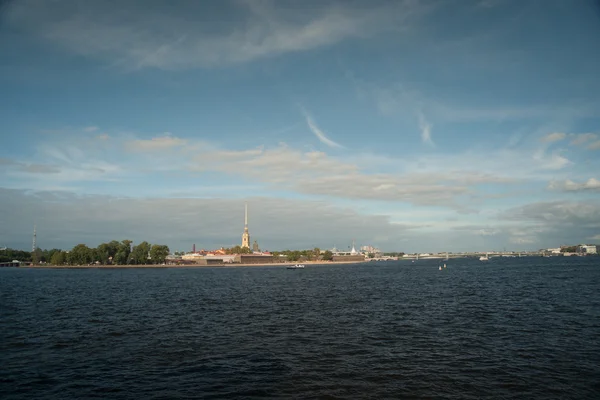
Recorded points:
(234, 265)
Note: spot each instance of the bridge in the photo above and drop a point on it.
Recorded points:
(15, 263)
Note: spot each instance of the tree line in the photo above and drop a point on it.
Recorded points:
(113, 252)
(309, 255)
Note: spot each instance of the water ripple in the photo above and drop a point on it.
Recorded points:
(514, 328)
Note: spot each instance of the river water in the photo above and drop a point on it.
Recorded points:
(525, 328)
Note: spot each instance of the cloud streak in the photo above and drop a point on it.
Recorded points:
(425, 128)
(156, 143)
(319, 133)
(568, 185)
(554, 137)
(136, 36)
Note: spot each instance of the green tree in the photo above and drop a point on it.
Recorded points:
(10, 254)
(294, 255)
(112, 248)
(306, 254)
(80, 255)
(159, 253)
(58, 258)
(123, 251)
(47, 254)
(139, 254)
(36, 256)
(238, 250)
(328, 255)
(102, 253)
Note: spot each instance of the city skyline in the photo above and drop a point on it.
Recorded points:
(406, 125)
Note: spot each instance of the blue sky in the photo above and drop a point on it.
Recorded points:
(408, 125)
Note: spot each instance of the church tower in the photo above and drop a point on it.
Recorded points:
(246, 235)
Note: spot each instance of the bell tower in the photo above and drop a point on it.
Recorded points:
(246, 235)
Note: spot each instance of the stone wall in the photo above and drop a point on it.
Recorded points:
(358, 258)
(255, 259)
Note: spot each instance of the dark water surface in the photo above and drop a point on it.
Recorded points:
(512, 328)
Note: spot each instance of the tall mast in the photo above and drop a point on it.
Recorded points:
(246, 216)
(34, 235)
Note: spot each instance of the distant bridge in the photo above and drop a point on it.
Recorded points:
(15, 264)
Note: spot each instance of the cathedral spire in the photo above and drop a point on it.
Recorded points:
(246, 234)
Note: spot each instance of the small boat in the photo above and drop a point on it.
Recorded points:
(296, 266)
(440, 268)
(444, 265)
(484, 258)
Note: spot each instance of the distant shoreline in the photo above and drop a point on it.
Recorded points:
(232, 265)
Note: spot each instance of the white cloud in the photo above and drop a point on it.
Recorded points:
(594, 146)
(523, 239)
(579, 139)
(407, 100)
(90, 129)
(157, 143)
(319, 133)
(568, 185)
(137, 36)
(425, 128)
(316, 173)
(566, 215)
(487, 232)
(103, 136)
(554, 161)
(29, 168)
(554, 137)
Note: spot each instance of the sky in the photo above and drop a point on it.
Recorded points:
(413, 126)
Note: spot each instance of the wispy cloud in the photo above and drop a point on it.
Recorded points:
(30, 168)
(90, 129)
(319, 133)
(137, 36)
(579, 139)
(554, 137)
(554, 161)
(425, 128)
(158, 143)
(594, 146)
(568, 185)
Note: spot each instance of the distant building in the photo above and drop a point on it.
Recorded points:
(588, 249)
(192, 256)
(353, 252)
(254, 259)
(246, 234)
(554, 250)
(255, 248)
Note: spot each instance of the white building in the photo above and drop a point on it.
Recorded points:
(554, 251)
(587, 249)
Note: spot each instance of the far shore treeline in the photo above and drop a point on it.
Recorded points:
(122, 253)
(113, 252)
